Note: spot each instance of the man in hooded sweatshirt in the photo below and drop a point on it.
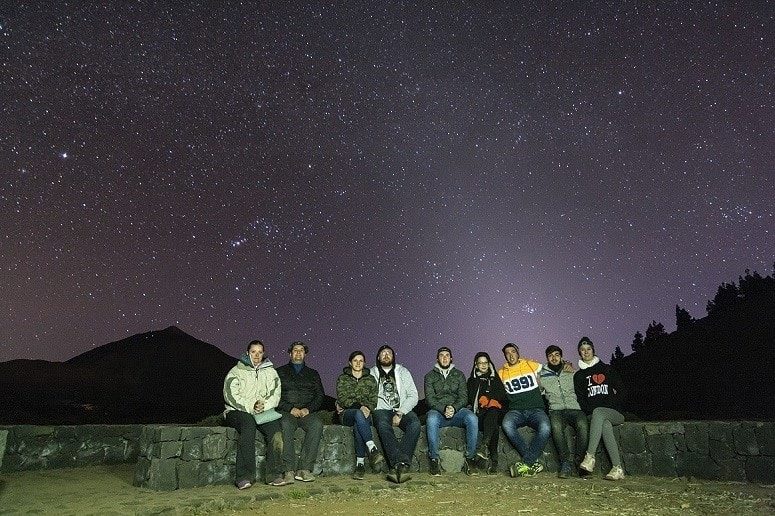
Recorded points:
(445, 394)
(251, 391)
(396, 398)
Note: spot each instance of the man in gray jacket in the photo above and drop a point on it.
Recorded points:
(446, 393)
(396, 398)
(557, 386)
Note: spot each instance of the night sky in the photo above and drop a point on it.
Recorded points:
(418, 174)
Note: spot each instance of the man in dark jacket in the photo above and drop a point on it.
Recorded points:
(301, 395)
(446, 395)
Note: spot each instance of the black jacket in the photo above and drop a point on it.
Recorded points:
(489, 386)
(301, 390)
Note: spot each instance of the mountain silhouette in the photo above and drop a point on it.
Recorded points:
(161, 376)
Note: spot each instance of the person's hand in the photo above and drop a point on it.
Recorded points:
(449, 411)
(397, 419)
(567, 367)
(303, 412)
(296, 412)
(366, 411)
(339, 408)
(259, 406)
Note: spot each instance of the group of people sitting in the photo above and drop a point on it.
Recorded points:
(278, 401)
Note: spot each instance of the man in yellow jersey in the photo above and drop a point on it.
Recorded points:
(525, 408)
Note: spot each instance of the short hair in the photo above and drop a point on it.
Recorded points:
(509, 345)
(255, 343)
(552, 349)
(355, 354)
(298, 343)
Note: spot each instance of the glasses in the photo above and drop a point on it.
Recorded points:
(482, 363)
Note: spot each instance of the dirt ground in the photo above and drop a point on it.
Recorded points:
(109, 490)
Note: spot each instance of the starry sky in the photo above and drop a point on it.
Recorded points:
(353, 174)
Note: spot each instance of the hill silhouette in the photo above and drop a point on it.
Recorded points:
(717, 367)
(159, 376)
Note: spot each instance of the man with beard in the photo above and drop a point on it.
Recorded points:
(564, 410)
(300, 398)
(445, 394)
(395, 401)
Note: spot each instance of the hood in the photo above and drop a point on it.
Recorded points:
(246, 362)
(584, 365)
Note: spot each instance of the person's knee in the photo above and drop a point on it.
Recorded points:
(433, 418)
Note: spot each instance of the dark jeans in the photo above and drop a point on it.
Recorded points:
(410, 424)
(560, 420)
(313, 431)
(535, 419)
(245, 424)
(490, 424)
(361, 429)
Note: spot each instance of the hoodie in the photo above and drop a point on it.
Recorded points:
(245, 384)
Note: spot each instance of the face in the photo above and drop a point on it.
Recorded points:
(482, 364)
(586, 353)
(512, 355)
(356, 364)
(554, 358)
(256, 354)
(297, 354)
(444, 359)
(385, 357)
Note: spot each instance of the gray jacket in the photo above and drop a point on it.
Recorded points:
(558, 389)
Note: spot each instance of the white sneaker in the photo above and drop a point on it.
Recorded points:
(616, 473)
(588, 464)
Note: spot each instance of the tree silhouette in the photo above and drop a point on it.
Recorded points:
(637, 342)
(683, 321)
(654, 333)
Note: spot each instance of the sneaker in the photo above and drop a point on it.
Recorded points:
(565, 470)
(288, 477)
(482, 464)
(243, 484)
(481, 452)
(360, 472)
(279, 481)
(492, 469)
(304, 475)
(469, 466)
(402, 472)
(376, 460)
(434, 467)
(616, 473)
(392, 475)
(588, 464)
(520, 469)
(536, 468)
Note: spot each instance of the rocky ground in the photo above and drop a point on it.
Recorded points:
(109, 490)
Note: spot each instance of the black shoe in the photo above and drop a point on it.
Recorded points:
(360, 472)
(482, 464)
(393, 475)
(402, 473)
(434, 467)
(376, 460)
(469, 466)
(493, 469)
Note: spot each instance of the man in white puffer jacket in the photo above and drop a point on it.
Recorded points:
(251, 391)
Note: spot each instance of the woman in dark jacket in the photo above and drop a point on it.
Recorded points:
(487, 398)
(356, 397)
(599, 391)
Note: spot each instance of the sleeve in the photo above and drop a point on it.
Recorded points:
(499, 391)
(373, 392)
(409, 396)
(431, 399)
(283, 404)
(471, 393)
(273, 397)
(233, 394)
(462, 391)
(317, 401)
(580, 388)
(342, 395)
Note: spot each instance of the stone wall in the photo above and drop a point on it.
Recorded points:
(174, 457)
(47, 447)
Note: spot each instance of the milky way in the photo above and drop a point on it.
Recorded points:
(419, 174)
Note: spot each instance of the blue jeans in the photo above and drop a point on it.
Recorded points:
(361, 429)
(535, 419)
(410, 425)
(462, 418)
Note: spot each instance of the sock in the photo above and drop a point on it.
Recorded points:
(358, 460)
(371, 446)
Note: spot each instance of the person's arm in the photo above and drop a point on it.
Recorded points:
(234, 396)
(317, 401)
(431, 399)
(462, 391)
(373, 391)
(283, 405)
(344, 396)
(409, 396)
(579, 385)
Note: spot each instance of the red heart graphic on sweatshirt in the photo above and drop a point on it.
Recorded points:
(598, 378)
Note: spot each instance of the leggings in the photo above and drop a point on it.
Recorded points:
(602, 424)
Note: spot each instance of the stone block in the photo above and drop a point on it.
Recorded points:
(760, 469)
(141, 472)
(214, 447)
(637, 463)
(451, 460)
(697, 439)
(192, 449)
(168, 449)
(732, 469)
(188, 474)
(661, 444)
(197, 433)
(218, 472)
(745, 442)
(162, 475)
(631, 438)
(167, 433)
(765, 437)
